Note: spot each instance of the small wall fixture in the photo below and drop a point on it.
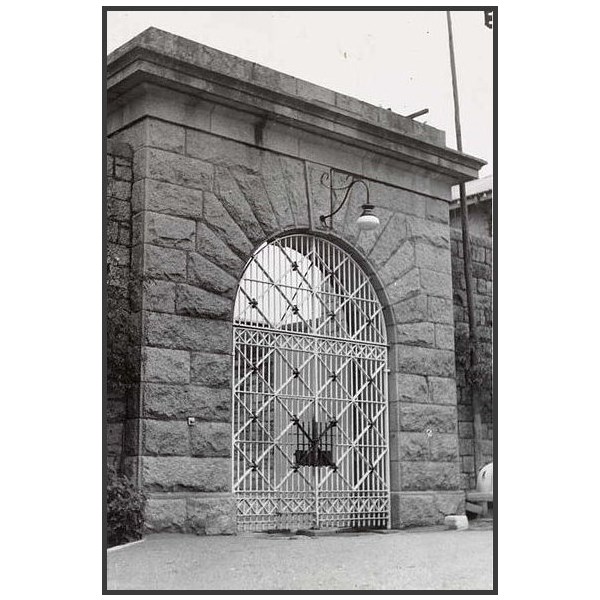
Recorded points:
(367, 219)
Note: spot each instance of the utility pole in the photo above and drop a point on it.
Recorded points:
(472, 344)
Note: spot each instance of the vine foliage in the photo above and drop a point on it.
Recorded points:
(125, 509)
(478, 373)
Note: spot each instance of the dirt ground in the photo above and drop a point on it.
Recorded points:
(432, 559)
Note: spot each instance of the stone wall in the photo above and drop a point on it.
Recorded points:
(482, 259)
(228, 155)
(119, 178)
(201, 205)
(480, 219)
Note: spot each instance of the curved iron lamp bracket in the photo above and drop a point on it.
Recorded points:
(354, 180)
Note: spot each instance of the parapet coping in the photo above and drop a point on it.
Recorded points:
(175, 62)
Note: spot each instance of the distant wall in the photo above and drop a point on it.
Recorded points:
(480, 219)
(482, 259)
(118, 265)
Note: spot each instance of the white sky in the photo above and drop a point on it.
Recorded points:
(394, 59)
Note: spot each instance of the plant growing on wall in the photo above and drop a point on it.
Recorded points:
(125, 509)
(479, 373)
(474, 359)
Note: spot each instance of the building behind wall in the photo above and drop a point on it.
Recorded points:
(210, 157)
(479, 200)
(480, 203)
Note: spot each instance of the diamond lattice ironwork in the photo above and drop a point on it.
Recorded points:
(310, 446)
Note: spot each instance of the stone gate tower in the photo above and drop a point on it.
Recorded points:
(212, 158)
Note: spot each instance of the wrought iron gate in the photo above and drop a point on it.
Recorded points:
(310, 445)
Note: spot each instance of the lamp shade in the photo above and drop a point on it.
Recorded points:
(367, 219)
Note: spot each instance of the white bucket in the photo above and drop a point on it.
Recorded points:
(485, 479)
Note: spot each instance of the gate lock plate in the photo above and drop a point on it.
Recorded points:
(314, 449)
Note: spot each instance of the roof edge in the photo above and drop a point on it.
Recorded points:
(180, 59)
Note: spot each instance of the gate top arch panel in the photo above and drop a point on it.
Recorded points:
(305, 284)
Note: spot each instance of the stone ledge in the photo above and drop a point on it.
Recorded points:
(162, 44)
(189, 67)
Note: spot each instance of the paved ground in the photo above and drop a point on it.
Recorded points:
(431, 559)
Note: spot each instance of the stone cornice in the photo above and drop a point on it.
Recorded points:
(177, 63)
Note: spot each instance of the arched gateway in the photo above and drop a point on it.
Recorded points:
(310, 431)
